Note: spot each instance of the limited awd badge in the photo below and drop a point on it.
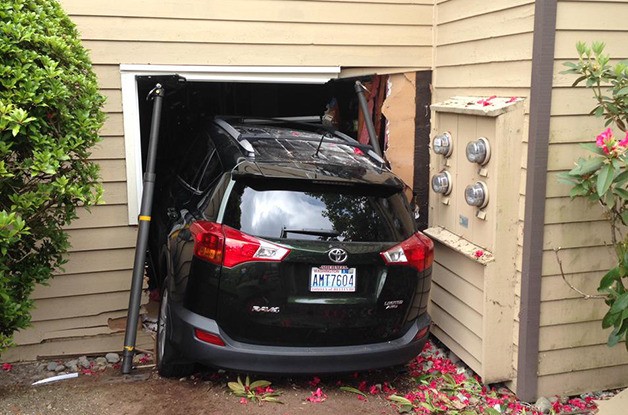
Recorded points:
(392, 304)
(338, 255)
(264, 309)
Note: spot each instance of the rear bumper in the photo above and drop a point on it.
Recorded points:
(289, 360)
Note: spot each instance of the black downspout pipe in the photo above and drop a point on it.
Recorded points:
(368, 118)
(536, 181)
(135, 296)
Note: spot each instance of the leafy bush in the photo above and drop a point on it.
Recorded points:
(50, 114)
(603, 177)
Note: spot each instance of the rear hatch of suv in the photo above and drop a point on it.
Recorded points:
(309, 264)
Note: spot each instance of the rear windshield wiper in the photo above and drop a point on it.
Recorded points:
(330, 233)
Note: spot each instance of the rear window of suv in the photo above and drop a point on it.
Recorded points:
(329, 213)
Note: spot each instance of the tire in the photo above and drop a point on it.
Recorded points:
(169, 363)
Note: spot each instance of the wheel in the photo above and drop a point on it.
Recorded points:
(169, 363)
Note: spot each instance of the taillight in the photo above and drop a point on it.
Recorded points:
(208, 241)
(240, 247)
(417, 252)
(222, 245)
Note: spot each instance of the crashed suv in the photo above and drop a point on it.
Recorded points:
(288, 248)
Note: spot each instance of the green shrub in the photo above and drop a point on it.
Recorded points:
(603, 177)
(50, 114)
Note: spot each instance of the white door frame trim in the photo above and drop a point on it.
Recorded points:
(131, 113)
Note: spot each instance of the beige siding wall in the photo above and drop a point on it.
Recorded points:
(91, 296)
(481, 49)
(573, 355)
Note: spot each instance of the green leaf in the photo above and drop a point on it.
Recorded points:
(399, 399)
(621, 177)
(614, 338)
(578, 190)
(260, 384)
(592, 147)
(604, 179)
(492, 411)
(271, 399)
(610, 319)
(587, 166)
(620, 304)
(608, 279)
(358, 391)
(623, 193)
(235, 386)
(577, 81)
(624, 217)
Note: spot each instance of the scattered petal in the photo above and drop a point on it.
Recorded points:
(317, 396)
(315, 381)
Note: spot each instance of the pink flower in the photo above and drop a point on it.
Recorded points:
(315, 381)
(512, 99)
(362, 386)
(486, 102)
(624, 142)
(317, 396)
(374, 390)
(260, 390)
(604, 140)
(388, 389)
(243, 401)
(7, 367)
(478, 254)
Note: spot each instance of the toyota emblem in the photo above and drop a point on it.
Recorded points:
(338, 255)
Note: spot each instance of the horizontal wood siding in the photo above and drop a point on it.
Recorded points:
(481, 49)
(570, 325)
(350, 33)
(457, 304)
(261, 32)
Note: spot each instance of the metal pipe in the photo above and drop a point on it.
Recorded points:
(142, 234)
(368, 118)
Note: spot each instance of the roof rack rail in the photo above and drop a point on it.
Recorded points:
(243, 142)
(302, 122)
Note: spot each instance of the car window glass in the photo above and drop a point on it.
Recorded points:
(201, 166)
(332, 215)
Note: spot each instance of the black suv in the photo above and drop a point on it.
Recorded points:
(288, 248)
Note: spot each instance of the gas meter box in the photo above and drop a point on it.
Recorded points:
(475, 172)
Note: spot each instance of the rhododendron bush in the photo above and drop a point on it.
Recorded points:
(603, 177)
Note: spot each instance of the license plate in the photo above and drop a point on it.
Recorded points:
(332, 278)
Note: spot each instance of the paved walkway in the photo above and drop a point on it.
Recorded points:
(618, 405)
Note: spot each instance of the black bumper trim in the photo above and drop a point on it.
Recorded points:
(289, 360)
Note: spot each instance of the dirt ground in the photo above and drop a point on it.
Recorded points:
(144, 392)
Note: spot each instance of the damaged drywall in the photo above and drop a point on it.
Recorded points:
(399, 110)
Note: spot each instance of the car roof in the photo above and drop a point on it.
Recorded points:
(273, 140)
(308, 152)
